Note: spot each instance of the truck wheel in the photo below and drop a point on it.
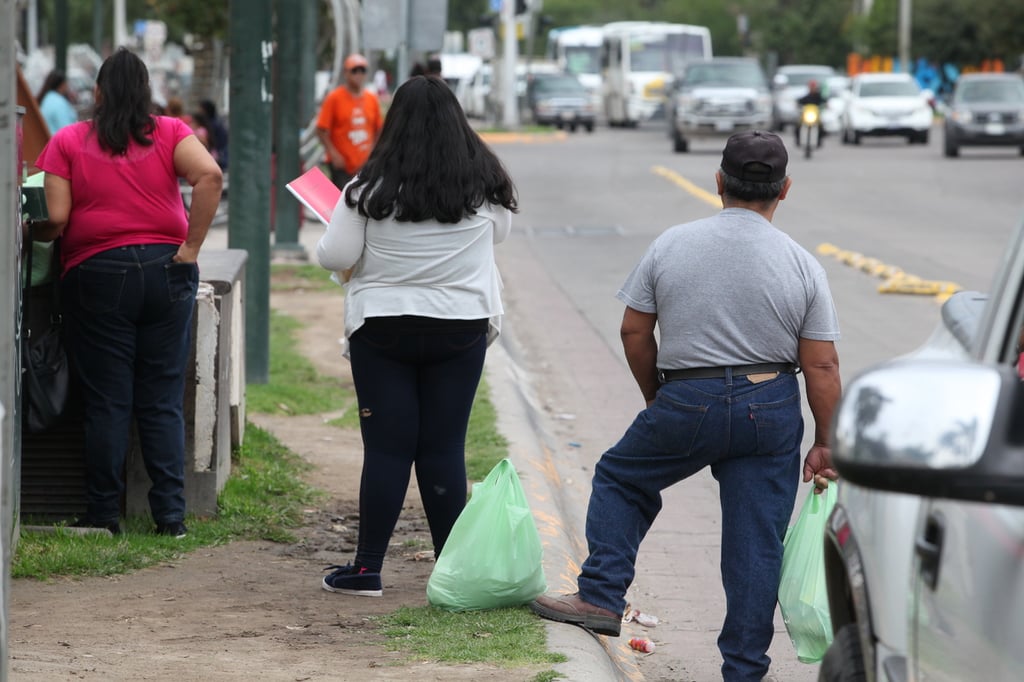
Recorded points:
(589, 127)
(843, 662)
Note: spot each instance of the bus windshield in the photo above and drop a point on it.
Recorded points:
(683, 47)
(648, 54)
(582, 59)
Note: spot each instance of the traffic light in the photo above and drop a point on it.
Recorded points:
(521, 7)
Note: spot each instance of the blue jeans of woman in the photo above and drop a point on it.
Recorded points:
(749, 434)
(128, 313)
(415, 381)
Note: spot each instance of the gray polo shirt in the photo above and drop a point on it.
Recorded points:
(731, 290)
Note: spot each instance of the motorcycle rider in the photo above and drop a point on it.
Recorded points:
(815, 97)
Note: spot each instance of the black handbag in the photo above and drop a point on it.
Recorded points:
(46, 375)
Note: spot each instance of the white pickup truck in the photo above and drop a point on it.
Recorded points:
(924, 549)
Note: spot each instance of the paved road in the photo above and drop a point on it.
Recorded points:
(590, 206)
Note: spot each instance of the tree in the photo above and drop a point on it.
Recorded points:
(802, 31)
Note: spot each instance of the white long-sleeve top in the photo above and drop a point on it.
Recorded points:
(429, 269)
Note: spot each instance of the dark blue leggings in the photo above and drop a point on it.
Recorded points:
(415, 381)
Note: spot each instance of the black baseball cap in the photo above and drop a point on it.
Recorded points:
(755, 156)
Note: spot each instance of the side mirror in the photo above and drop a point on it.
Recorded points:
(934, 428)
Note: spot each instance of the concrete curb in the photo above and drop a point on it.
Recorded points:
(591, 658)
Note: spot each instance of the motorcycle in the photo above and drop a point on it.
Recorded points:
(809, 132)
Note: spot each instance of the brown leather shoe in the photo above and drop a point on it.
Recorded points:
(569, 608)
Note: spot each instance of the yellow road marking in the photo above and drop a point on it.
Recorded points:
(501, 138)
(687, 186)
(896, 281)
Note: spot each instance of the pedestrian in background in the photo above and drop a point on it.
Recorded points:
(417, 227)
(129, 279)
(740, 308)
(218, 133)
(55, 101)
(349, 122)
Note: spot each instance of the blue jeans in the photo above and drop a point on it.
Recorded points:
(415, 381)
(749, 434)
(128, 313)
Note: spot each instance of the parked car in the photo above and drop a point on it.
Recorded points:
(923, 550)
(790, 84)
(718, 97)
(986, 109)
(477, 91)
(886, 104)
(559, 100)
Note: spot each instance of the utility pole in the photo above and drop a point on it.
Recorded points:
(60, 57)
(120, 25)
(288, 129)
(10, 313)
(510, 115)
(250, 37)
(904, 36)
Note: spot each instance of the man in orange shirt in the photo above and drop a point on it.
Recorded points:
(349, 123)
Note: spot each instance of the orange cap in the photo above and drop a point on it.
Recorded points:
(354, 60)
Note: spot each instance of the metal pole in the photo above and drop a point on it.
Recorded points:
(97, 25)
(403, 45)
(307, 59)
(904, 36)
(250, 36)
(32, 27)
(60, 57)
(510, 116)
(10, 313)
(288, 129)
(120, 24)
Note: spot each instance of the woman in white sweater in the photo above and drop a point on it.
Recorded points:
(414, 234)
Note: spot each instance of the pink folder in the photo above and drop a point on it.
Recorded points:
(316, 192)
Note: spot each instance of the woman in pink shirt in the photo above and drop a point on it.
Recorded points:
(128, 282)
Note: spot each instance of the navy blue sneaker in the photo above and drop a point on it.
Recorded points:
(355, 580)
(174, 529)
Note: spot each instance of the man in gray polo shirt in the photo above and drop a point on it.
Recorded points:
(741, 309)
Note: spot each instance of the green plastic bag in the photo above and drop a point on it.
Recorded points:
(492, 557)
(802, 593)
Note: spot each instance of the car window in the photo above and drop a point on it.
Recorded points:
(803, 77)
(566, 84)
(991, 91)
(738, 74)
(889, 89)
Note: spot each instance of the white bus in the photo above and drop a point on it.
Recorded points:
(577, 50)
(639, 60)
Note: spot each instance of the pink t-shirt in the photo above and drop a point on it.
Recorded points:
(117, 200)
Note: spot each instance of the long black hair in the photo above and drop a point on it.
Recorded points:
(54, 80)
(429, 163)
(122, 112)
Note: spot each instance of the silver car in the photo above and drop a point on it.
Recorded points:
(923, 551)
(718, 97)
(986, 109)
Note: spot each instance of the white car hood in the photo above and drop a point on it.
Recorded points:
(725, 95)
(893, 105)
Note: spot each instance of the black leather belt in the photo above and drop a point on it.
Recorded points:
(666, 375)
